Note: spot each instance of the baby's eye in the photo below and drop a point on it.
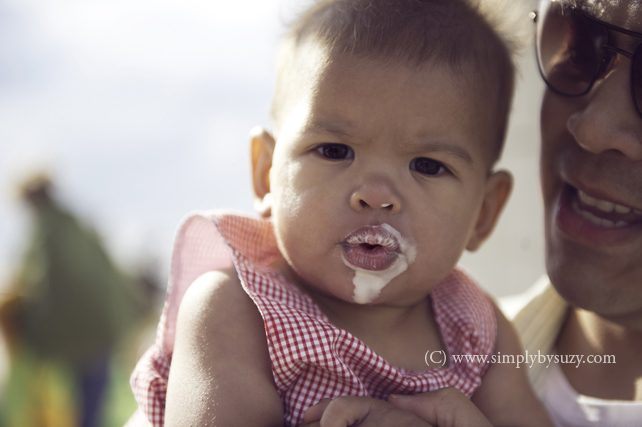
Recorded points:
(335, 151)
(427, 166)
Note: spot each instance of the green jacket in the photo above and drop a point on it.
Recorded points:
(77, 303)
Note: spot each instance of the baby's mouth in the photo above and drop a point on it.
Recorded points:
(371, 248)
(603, 213)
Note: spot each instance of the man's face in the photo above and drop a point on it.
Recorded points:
(365, 144)
(591, 171)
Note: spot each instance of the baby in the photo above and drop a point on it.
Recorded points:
(389, 117)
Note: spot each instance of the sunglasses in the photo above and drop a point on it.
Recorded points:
(573, 50)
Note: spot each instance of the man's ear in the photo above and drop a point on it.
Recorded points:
(262, 149)
(498, 188)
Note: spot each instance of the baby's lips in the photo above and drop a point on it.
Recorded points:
(373, 235)
(369, 258)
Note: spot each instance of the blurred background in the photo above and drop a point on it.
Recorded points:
(139, 112)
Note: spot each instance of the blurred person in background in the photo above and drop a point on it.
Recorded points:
(66, 310)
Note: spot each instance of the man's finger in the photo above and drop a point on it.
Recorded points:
(339, 412)
(447, 407)
(315, 412)
(345, 411)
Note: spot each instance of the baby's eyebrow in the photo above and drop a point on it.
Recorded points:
(455, 150)
(337, 129)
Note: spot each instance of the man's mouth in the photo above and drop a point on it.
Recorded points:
(604, 213)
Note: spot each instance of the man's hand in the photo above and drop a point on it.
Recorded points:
(447, 407)
(359, 411)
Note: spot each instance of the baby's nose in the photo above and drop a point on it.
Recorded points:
(375, 195)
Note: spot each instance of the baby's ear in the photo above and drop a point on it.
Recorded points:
(498, 187)
(262, 149)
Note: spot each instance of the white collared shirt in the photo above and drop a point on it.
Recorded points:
(538, 315)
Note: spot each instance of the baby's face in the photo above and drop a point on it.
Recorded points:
(369, 144)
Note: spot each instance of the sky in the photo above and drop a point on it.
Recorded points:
(141, 109)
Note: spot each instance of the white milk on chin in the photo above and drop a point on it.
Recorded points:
(369, 283)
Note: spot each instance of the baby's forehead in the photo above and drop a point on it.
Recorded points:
(350, 100)
(321, 68)
(466, 35)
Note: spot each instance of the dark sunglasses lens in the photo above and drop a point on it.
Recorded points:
(569, 49)
(636, 79)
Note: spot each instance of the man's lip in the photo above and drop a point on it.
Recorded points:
(578, 228)
(604, 176)
(609, 195)
(371, 247)
(603, 211)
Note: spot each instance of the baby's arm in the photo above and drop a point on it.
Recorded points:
(505, 396)
(220, 373)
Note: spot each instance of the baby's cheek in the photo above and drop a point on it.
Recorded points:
(287, 200)
(288, 204)
(442, 246)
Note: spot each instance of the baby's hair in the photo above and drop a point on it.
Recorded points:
(476, 39)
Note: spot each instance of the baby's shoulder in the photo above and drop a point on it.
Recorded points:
(220, 340)
(217, 300)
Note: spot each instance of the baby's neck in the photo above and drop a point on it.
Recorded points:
(383, 317)
(400, 334)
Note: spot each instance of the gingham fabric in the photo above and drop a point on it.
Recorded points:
(311, 358)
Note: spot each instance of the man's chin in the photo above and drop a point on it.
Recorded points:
(584, 284)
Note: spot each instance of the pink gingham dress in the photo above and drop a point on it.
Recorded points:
(311, 358)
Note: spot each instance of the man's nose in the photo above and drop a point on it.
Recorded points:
(608, 119)
(376, 193)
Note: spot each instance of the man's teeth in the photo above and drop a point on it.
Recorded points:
(605, 205)
(607, 223)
